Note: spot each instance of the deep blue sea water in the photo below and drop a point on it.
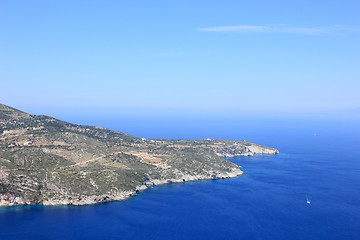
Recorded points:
(319, 159)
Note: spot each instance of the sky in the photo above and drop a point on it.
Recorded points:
(184, 56)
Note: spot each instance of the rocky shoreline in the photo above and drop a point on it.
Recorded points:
(9, 201)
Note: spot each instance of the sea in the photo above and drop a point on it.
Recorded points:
(311, 190)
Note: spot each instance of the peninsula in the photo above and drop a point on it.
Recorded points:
(51, 162)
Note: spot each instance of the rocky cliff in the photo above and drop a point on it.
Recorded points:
(47, 161)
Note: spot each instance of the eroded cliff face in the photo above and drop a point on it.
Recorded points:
(47, 161)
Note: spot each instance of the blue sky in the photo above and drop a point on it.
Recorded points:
(180, 56)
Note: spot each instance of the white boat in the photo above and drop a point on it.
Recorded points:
(308, 200)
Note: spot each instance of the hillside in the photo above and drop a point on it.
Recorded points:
(47, 161)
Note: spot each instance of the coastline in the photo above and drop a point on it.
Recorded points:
(46, 161)
(13, 201)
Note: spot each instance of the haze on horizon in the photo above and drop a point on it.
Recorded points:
(185, 56)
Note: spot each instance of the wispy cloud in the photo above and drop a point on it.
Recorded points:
(279, 28)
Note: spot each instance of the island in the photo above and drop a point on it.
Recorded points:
(51, 162)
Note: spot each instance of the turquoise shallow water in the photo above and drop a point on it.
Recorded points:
(318, 160)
